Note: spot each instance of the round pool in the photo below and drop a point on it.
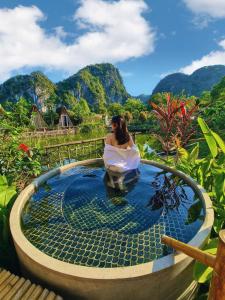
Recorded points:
(76, 234)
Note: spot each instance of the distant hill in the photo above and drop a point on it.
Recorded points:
(98, 84)
(35, 88)
(144, 98)
(201, 80)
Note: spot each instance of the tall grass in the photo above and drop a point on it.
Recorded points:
(62, 139)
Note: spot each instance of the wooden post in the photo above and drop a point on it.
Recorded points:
(205, 258)
(68, 151)
(217, 287)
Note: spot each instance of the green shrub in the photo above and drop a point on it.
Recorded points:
(8, 194)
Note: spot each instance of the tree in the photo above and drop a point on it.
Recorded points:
(214, 112)
(134, 106)
(19, 112)
(128, 116)
(50, 104)
(143, 116)
(205, 98)
(68, 100)
(115, 109)
(84, 107)
(80, 111)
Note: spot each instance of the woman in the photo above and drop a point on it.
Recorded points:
(120, 153)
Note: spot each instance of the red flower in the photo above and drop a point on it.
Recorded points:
(183, 109)
(24, 147)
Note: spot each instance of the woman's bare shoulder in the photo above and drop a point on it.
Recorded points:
(109, 138)
(131, 142)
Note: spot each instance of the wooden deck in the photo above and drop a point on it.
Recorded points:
(13, 287)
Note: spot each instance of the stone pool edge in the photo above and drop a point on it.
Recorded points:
(26, 249)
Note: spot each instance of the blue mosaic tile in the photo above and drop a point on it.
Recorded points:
(75, 217)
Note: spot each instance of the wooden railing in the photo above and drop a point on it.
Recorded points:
(68, 152)
(217, 287)
(51, 133)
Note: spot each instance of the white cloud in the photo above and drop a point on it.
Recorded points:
(213, 58)
(60, 32)
(115, 31)
(212, 8)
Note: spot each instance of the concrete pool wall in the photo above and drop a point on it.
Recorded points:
(164, 278)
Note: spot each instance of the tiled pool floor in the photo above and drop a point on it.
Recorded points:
(76, 218)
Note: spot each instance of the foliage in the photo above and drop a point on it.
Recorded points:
(86, 129)
(42, 88)
(66, 99)
(84, 107)
(175, 119)
(99, 84)
(8, 194)
(79, 112)
(203, 273)
(17, 161)
(35, 88)
(214, 112)
(19, 112)
(210, 173)
(134, 106)
(96, 90)
(115, 109)
(143, 116)
(128, 116)
(51, 118)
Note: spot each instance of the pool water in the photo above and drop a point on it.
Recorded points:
(77, 218)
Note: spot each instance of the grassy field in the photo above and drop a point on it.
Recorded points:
(62, 139)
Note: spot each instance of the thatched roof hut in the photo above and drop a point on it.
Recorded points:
(64, 119)
(36, 118)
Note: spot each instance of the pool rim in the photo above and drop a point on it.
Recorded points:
(65, 268)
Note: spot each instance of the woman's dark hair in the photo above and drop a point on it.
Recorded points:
(121, 132)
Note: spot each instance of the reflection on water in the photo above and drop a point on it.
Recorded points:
(169, 194)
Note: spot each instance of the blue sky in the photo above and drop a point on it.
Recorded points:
(144, 39)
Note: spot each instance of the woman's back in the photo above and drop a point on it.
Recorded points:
(111, 140)
(120, 153)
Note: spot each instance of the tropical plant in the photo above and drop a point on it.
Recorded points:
(17, 161)
(175, 118)
(8, 194)
(210, 173)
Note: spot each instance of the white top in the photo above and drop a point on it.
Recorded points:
(121, 160)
